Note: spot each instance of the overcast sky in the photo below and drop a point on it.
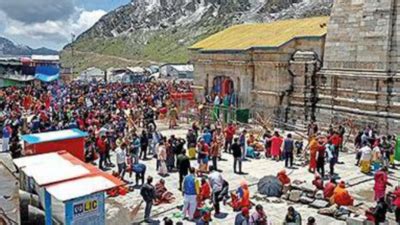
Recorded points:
(50, 23)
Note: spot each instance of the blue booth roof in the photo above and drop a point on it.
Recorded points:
(47, 73)
(53, 136)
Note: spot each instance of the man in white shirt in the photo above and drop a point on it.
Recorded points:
(366, 157)
(216, 183)
(121, 160)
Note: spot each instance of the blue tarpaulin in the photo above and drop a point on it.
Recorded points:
(53, 136)
(47, 73)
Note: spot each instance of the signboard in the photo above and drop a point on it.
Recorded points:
(87, 210)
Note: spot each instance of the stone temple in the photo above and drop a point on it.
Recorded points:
(324, 69)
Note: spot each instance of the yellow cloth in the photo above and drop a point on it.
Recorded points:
(192, 153)
(391, 157)
(198, 186)
(365, 166)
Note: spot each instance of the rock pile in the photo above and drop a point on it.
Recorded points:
(306, 193)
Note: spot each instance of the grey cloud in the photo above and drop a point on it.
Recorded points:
(36, 11)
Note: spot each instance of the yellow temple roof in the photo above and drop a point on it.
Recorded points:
(263, 35)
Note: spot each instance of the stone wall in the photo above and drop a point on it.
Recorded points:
(359, 76)
(358, 28)
(303, 67)
(237, 66)
(261, 77)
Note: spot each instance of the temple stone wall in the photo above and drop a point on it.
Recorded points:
(359, 77)
(235, 66)
(261, 77)
(359, 35)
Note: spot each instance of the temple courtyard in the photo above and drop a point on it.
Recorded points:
(359, 185)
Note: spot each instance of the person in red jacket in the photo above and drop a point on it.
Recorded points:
(205, 190)
(329, 188)
(101, 146)
(318, 182)
(229, 132)
(336, 141)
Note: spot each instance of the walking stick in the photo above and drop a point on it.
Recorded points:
(135, 210)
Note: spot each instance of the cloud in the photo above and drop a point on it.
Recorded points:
(54, 32)
(37, 11)
(86, 20)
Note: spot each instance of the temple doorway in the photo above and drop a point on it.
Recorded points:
(224, 88)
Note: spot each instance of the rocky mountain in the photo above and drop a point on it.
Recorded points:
(161, 30)
(9, 48)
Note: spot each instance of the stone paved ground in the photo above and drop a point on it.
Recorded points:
(256, 169)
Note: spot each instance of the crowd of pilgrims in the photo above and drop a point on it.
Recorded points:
(113, 115)
(110, 110)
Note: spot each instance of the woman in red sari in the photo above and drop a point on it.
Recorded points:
(276, 144)
(381, 181)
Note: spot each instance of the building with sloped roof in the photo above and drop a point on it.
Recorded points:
(249, 65)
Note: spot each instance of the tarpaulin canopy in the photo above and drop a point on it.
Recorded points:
(53, 136)
(397, 150)
(47, 73)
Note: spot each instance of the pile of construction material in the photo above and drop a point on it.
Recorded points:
(301, 192)
(305, 193)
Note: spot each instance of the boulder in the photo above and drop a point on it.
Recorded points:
(307, 187)
(296, 185)
(286, 188)
(295, 195)
(319, 204)
(342, 217)
(342, 213)
(352, 220)
(329, 211)
(306, 200)
(274, 200)
(258, 197)
(310, 194)
(319, 195)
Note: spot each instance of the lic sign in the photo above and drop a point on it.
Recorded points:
(88, 210)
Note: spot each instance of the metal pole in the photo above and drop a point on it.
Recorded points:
(72, 53)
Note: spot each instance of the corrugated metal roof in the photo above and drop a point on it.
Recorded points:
(45, 174)
(53, 136)
(46, 57)
(136, 69)
(183, 68)
(37, 159)
(275, 34)
(78, 188)
(64, 176)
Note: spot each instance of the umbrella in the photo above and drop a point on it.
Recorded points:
(270, 186)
